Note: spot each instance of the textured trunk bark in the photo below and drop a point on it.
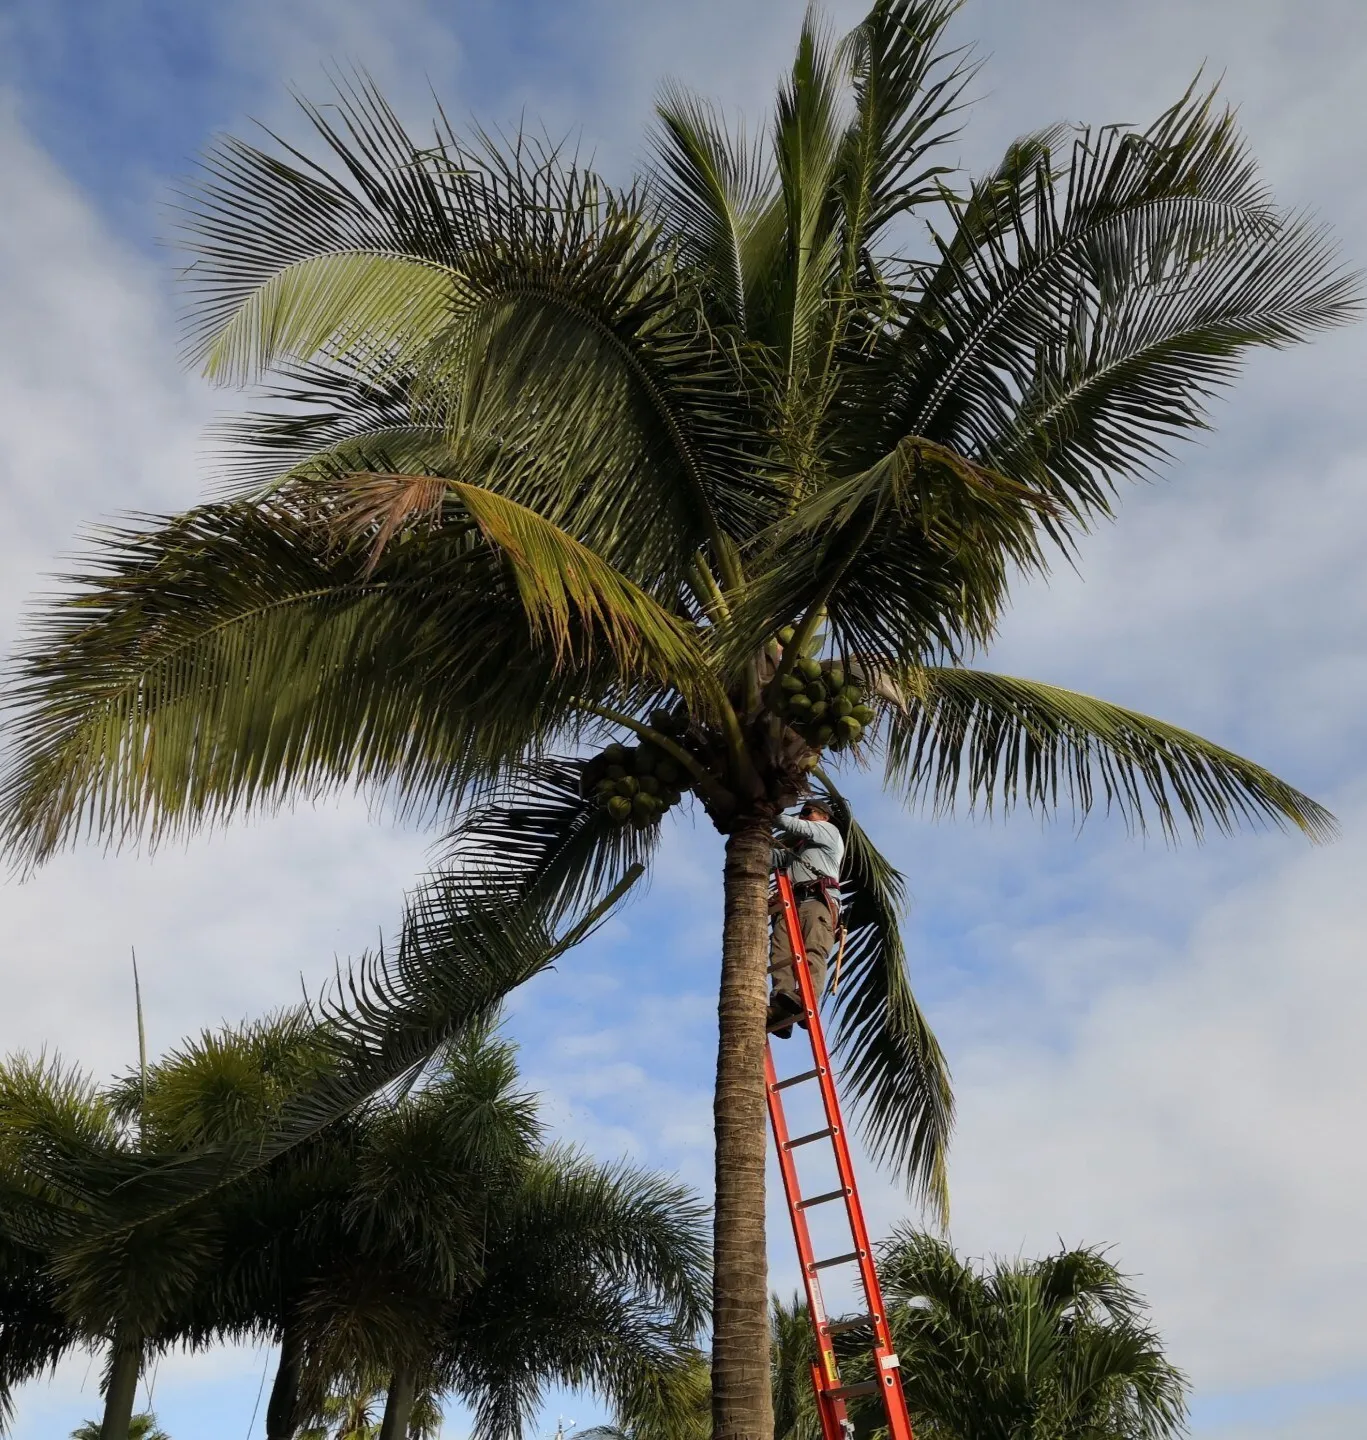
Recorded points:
(398, 1406)
(125, 1366)
(282, 1412)
(742, 1405)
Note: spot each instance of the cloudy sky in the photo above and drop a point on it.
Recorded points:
(1156, 1049)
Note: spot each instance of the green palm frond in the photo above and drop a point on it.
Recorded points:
(891, 1063)
(458, 957)
(564, 333)
(807, 140)
(235, 655)
(540, 841)
(332, 419)
(792, 1352)
(910, 557)
(716, 194)
(1086, 310)
(907, 91)
(995, 741)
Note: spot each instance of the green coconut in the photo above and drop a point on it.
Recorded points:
(816, 691)
(605, 787)
(823, 734)
(819, 709)
(835, 679)
(808, 668)
(799, 706)
(650, 785)
(619, 807)
(793, 683)
(616, 754)
(840, 708)
(849, 728)
(645, 807)
(628, 785)
(615, 771)
(864, 714)
(785, 635)
(667, 770)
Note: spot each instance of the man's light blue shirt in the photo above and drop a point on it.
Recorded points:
(818, 854)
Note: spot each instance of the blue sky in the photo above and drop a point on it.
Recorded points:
(1157, 1049)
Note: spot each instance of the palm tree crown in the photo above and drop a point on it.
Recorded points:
(724, 462)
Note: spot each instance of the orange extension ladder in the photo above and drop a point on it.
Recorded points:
(830, 1393)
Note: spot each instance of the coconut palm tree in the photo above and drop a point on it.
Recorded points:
(729, 464)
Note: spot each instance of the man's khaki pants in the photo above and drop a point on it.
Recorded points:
(818, 934)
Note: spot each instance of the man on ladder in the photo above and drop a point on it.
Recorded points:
(812, 855)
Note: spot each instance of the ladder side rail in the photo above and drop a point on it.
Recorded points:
(832, 1428)
(884, 1352)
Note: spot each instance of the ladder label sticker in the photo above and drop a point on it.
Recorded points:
(889, 1362)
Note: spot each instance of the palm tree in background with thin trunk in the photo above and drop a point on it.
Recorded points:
(549, 464)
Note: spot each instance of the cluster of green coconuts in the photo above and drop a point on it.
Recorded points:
(822, 702)
(636, 784)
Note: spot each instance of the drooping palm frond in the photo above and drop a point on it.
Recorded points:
(457, 959)
(236, 655)
(1085, 311)
(995, 741)
(891, 1063)
(539, 841)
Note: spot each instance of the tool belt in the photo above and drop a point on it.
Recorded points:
(826, 889)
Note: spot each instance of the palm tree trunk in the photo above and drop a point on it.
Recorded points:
(398, 1405)
(282, 1410)
(125, 1365)
(742, 1407)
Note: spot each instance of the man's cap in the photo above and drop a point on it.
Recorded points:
(821, 805)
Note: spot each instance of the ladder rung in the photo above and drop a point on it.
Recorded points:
(823, 1199)
(786, 1023)
(807, 1139)
(845, 1392)
(797, 1079)
(838, 1260)
(838, 1327)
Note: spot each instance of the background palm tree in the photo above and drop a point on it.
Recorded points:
(1050, 1349)
(123, 1292)
(1025, 1349)
(561, 463)
(427, 1242)
(142, 1426)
